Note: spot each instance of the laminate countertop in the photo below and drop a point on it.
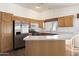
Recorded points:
(65, 36)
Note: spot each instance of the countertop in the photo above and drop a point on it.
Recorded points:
(62, 36)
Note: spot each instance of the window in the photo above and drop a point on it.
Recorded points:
(34, 26)
(54, 26)
(51, 26)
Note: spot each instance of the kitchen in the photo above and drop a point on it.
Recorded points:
(47, 31)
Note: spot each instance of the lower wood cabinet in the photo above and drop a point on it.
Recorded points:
(45, 48)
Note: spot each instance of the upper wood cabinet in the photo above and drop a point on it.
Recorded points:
(33, 21)
(22, 19)
(61, 22)
(69, 21)
(39, 22)
(66, 21)
(29, 21)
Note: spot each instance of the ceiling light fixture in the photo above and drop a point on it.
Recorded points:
(38, 7)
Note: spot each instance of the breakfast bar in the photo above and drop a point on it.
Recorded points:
(46, 45)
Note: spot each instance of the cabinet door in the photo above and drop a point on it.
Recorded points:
(40, 23)
(6, 42)
(60, 49)
(68, 21)
(61, 22)
(32, 48)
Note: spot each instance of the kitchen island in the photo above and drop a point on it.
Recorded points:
(48, 45)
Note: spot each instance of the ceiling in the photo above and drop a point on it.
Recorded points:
(46, 6)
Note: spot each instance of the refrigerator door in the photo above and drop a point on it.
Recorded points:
(20, 31)
(17, 27)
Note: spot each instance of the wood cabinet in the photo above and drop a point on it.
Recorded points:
(29, 21)
(39, 22)
(45, 47)
(69, 21)
(66, 21)
(61, 22)
(6, 32)
(22, 19)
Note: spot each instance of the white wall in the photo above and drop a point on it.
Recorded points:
(63, 12)
(18, 10)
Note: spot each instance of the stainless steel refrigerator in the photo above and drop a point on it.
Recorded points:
(20, 30)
